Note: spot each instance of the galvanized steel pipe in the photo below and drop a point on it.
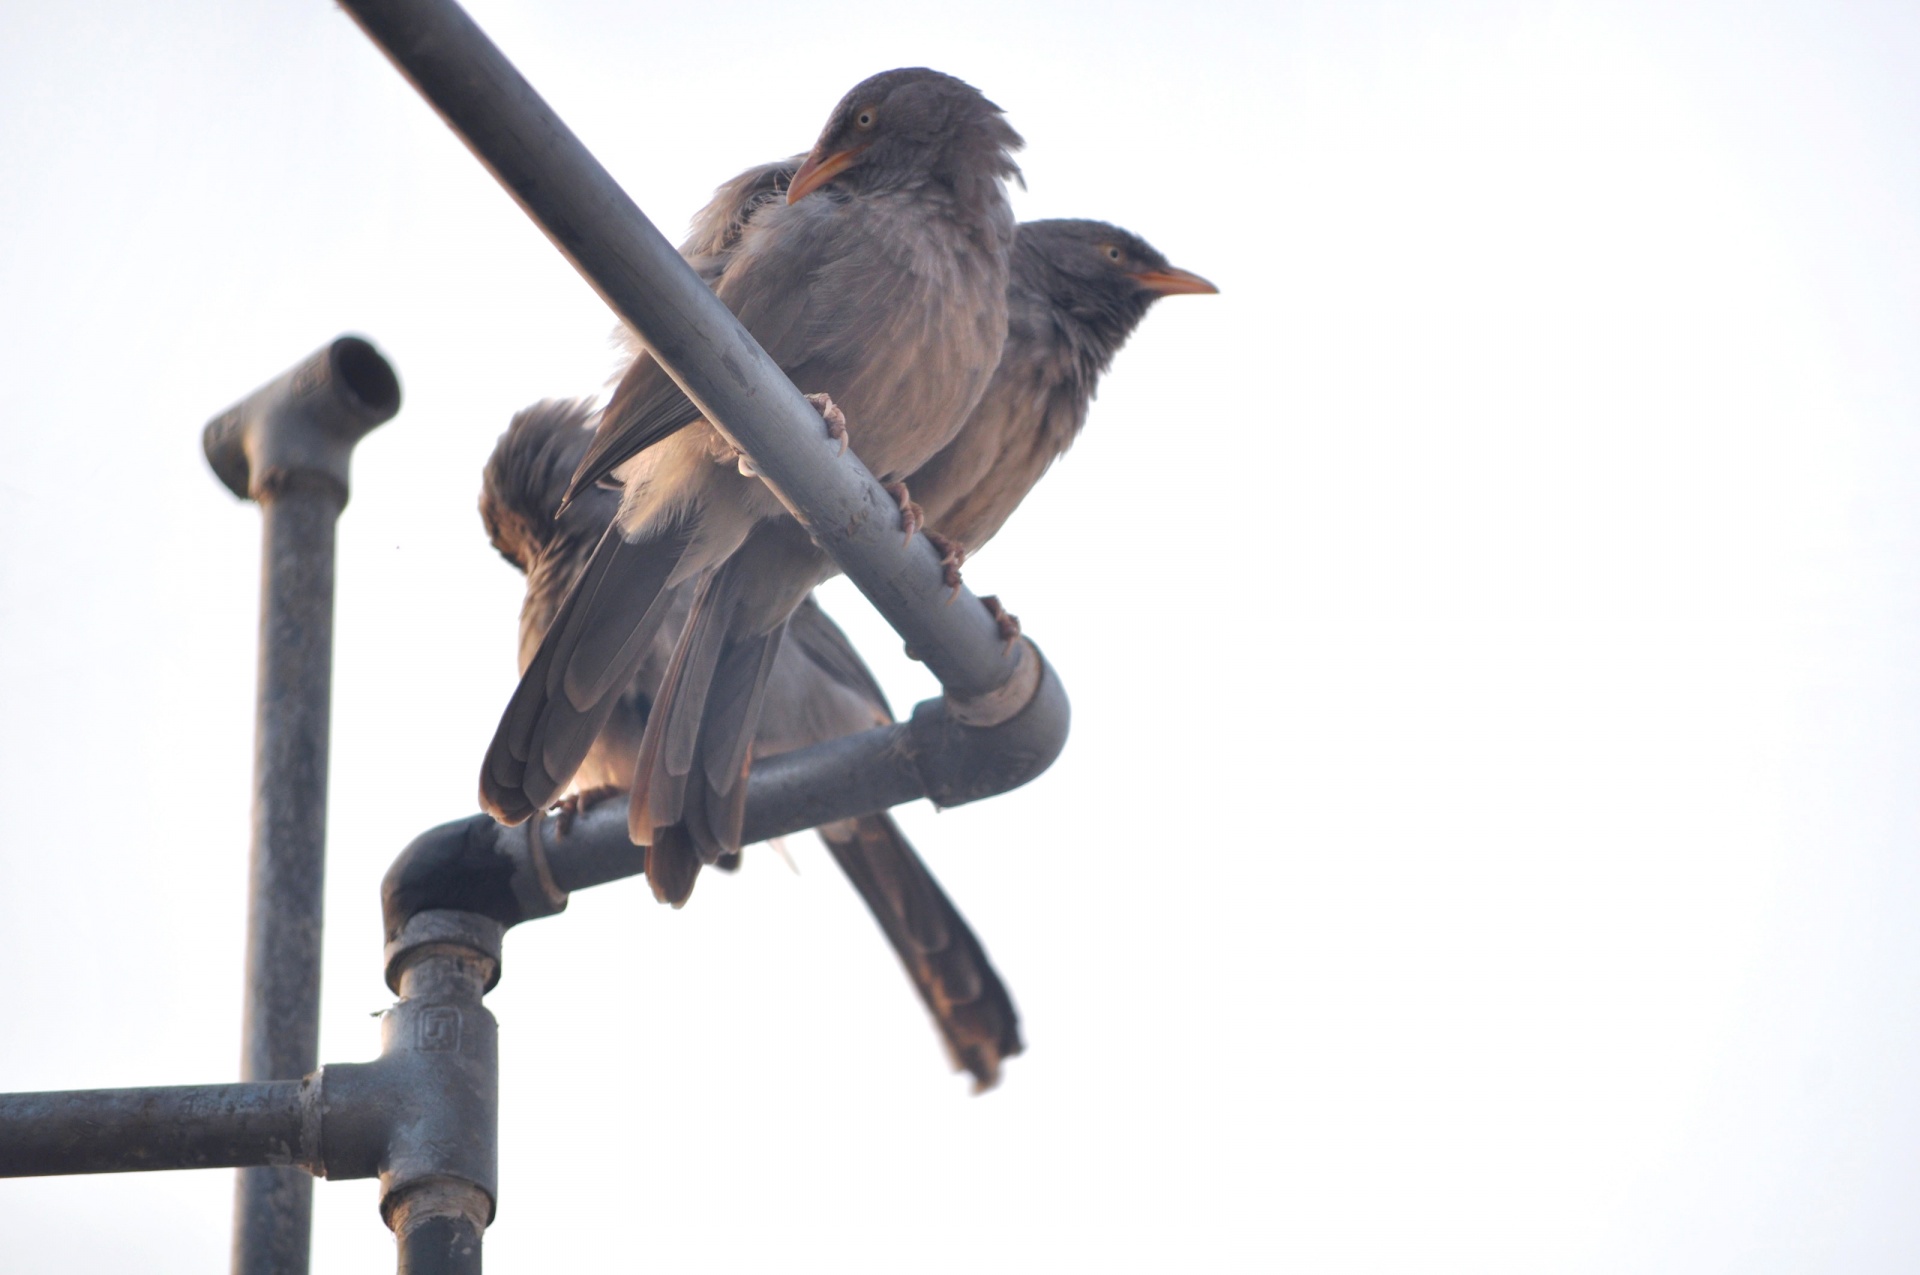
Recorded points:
(175, 1127)
(287, 446)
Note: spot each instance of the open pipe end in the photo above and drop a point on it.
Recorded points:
(366, 381)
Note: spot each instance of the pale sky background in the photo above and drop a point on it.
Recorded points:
(1487, 840)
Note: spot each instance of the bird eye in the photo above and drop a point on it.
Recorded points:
(1113, 253)
(865, 118)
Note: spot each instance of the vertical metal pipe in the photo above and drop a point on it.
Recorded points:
(280, 1027)
(287, 447)
(440, 1245)
(439, 1177)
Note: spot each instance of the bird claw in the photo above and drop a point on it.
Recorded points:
(911, 516)
(574, 804)
(835, 418)
(1009, 623)
(953, 555)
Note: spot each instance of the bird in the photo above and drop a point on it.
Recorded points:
(819, 689)
(878, 282)
(1077, 288)
(716, 229)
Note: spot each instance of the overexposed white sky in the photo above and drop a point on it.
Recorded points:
(1487, 840)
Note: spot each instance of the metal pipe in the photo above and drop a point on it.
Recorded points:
(438, 1243)
(422, 1117)
(439, 1172)
(697, 340)
(522, 873)
(178, 1127)
(287, 447)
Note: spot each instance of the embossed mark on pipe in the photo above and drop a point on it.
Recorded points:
(440, 1030)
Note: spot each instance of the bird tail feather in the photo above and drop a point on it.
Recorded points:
(689, 787)
(944, 961)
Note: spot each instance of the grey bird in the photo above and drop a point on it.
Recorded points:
(818, 690)
(1076, 291)
(887, 292)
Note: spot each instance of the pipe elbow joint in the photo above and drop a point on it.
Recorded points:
(968, 750)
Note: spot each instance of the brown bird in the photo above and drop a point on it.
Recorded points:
(818, 690)
(1076, 290)
(887, 291)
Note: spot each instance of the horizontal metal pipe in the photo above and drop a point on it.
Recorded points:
(271, 1122)
(422, 1116)
(696, 339)
(517, 874)
(854, 775)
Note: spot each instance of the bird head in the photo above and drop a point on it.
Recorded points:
(1098, 273)
(526, 475)
(907, 128)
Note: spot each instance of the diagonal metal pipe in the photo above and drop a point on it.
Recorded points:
(590, 219)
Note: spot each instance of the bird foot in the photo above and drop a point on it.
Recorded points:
(835, 418)
(1008, 622)
(911, 516)
(575, 804)
(953, 555)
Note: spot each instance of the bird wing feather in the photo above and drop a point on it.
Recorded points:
(815, 296)
(594, 647)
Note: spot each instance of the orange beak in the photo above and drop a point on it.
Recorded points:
(1172, 281)
(817, 172)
